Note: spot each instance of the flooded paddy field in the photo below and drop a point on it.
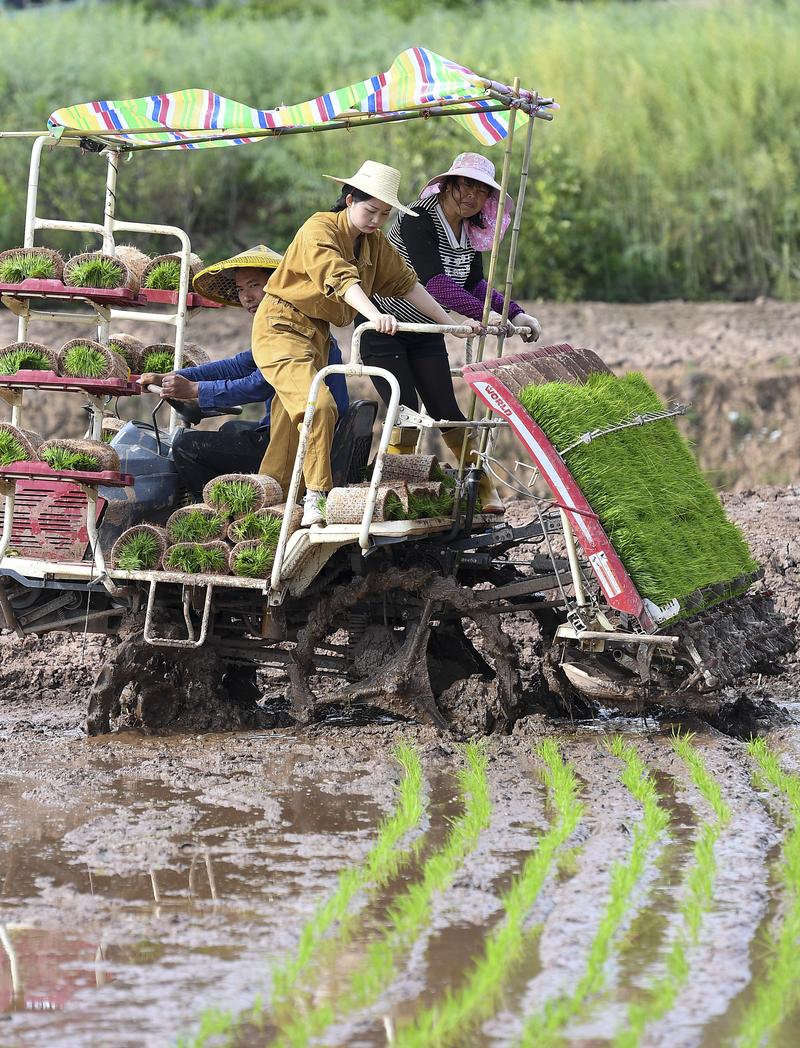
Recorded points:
(605, 882)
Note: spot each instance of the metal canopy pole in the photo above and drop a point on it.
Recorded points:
(512, 253)
(487, 304)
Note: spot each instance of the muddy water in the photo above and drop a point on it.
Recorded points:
(144, 879)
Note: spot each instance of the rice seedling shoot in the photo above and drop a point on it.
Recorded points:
(97, 272)
(10, 449)
(195, 526)
(160, 361)
(164, 276)
(84, 361)
(65, 459)
(14, 360)
(138, 552)
(17, 268)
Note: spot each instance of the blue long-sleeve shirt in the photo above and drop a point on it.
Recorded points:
(237, 380)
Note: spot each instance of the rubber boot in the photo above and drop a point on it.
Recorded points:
(402, 441)
(487, 492)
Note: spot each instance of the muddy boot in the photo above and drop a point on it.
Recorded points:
(403, 441)
(487, 492)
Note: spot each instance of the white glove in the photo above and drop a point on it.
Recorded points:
(526, 320)
(497, 319)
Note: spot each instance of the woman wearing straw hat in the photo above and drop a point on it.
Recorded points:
(237, 446)
(456, 212)
(337, 260)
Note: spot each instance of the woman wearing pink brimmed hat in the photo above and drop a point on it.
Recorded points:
(336, 261)
(456, 213)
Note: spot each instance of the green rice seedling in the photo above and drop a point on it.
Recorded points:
(158, 361)
(257, 526)
(63, 458)
(408, 915)
(82, 361)
(97, 272)
(14, 360)
(164, 276)
(21, 267)
(108, 435)
(380, 864)
(124, 350)
(139, 552)
(661, 515)
(546, 1027)
(183, 558)
(195, 526)
(213, 561)
(235, 497)
(254, 562)
(424, 504)
(777, 996)
(10, 449)
(696, 897)
(450, 1021)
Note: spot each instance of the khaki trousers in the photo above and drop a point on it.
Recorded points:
(289, 349)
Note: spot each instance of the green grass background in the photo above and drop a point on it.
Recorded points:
(671, 170)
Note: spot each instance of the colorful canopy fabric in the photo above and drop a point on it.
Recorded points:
(416, 77)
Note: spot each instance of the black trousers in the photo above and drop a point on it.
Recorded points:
(202, 454)
(420, 364)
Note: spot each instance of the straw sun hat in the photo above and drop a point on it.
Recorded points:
(379, 181)
(218, 282)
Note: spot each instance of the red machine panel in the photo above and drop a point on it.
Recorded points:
(564, 363)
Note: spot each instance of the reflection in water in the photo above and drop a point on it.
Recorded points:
(94, 940)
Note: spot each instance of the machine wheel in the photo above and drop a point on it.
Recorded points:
(419, 646)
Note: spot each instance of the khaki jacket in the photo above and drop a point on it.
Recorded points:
(319, 266)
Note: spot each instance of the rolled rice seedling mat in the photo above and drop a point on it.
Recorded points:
(140, 548)
(196, 523)
(93, 456)
(97, 269)
(163, 272)
(197, 558)
(26, 356)
(252, 558)
(18, 445)
(264, 524)
(347, 505)
(644, 484)
(129, 348)
(30, 263)
(408, 916)
(110, 426)
(237, 494)
(84, 358)
(410, 468)
(160, 357)
(133, 258)
(429, 500)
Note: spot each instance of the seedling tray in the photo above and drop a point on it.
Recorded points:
(48, 380)
(116, 296)
(41, 471)
(119, 296)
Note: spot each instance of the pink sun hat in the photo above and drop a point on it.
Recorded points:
(478, 168)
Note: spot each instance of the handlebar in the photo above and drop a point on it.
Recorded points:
(432, 329)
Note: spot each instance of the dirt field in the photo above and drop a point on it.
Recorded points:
(146, 879)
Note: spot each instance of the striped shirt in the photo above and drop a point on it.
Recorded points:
(429, 245)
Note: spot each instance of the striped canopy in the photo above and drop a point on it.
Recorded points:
(195, 118)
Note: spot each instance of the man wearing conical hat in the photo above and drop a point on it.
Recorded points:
(237, 446)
